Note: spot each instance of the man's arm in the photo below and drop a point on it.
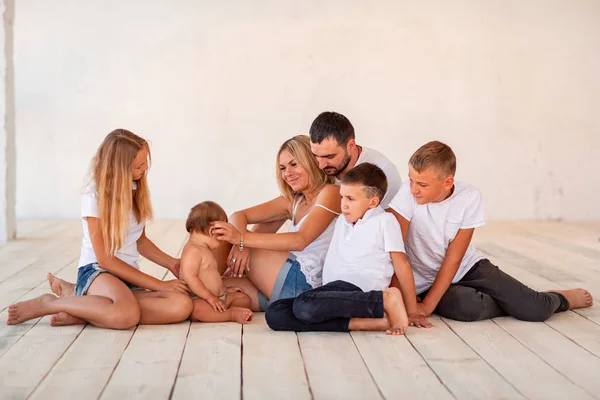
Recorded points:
(454, 255)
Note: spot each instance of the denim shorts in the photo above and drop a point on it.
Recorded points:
(87, 274)
(290, 283)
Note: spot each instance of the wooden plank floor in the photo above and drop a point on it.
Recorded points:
(496, 359)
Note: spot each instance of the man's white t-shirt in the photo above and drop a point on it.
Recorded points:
(434, 225)
(360, 253)
(128, 253)
(391, 172)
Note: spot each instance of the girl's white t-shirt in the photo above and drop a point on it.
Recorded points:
(128, 253)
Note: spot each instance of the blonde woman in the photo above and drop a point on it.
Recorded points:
(282, 265)
(114, 210)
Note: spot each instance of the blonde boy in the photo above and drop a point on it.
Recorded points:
(438, 216)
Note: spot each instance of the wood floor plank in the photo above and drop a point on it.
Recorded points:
(50, 248)
(210, 366)
(148, 367)
(86, 366)
(528, 373)
(398, 369)
(272, 363)
(577, 364)
(335, 368)
(461, 370)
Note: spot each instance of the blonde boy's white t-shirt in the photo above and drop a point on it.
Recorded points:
(434, 225)
(128, 253)
(360, 253)
(389, 169)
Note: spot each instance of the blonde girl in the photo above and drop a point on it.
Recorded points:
(111, 291)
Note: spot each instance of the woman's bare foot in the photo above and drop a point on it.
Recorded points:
(393, 305)
(26, 310)
(64, 319)
(60, 287)
(240, 314)
(577, 298)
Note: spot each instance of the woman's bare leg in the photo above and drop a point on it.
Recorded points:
(248, 288)
(108, 304)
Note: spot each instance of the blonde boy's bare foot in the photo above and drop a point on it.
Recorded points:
(577, 298)
(393, 305)
(26, 310)
(240, 314)
(60, 287)
(64, 319)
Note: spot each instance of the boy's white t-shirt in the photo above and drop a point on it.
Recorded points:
(434, 225)
(360, 253)
(128, 253)
(389, 168)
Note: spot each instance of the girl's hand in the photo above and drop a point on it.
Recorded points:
(173, 266)
(237, 262)
(216, 304)
(176, 285)
(225, 231)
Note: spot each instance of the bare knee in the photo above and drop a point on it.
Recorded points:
(180, 306)
(124, 316)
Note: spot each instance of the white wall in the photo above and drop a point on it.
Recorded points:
(7, 124)
(512, 85)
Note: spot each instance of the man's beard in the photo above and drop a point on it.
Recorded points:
(335, 171)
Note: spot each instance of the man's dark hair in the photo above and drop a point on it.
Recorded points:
(369, 176)
(330, 124)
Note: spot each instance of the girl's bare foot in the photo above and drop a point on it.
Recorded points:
(64, 319)
(240, 314)
(26, 310)
(60, 287)
(577, 298)
(393, 305)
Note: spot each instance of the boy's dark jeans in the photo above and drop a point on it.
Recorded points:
(327, 308)
(487, 292)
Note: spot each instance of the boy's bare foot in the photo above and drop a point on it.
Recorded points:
(64, 319)
(240, 314)
(369, 324)
(60, 287)
(26, 310)
(577, 298)
(393, 305)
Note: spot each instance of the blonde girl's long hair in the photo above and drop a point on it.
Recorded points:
(299, 148)
(111, 171)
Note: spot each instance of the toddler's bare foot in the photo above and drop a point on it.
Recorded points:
(64, 319)
(577, 298)
(26, 310)
(393, 306)
(60, 287)
(240, 314)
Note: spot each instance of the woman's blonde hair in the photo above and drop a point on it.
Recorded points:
(111, 171)
(299, 148)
